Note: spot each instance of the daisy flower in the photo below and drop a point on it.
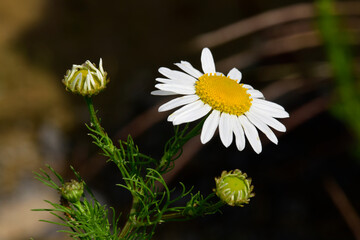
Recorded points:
(236, 109)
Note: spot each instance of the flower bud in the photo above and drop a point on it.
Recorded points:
(72, 191)
(234, 188)
(86, 79)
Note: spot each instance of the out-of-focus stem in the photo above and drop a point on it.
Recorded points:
(344, 205)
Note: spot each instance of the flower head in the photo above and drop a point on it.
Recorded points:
(72, 191)
(86, 79)
(234, 188)
(237, 109)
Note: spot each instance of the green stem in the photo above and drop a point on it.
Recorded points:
(93, 118)
(217, 205)
(179, 215)
(79, 206)
(129, 225)
(195, 131)
(179, 142)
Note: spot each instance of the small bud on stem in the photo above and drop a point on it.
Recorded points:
(86, 79)
(72, 191)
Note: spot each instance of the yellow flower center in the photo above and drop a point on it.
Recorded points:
(80, 76)
(235, 184)
(223, 94)
(77, 81)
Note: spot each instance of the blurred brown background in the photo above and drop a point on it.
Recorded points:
(306, 187)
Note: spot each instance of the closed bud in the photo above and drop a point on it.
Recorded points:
(234, 188)
(86, 79)
(72, 191)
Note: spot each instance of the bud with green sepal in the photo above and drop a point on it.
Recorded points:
(86, 79)
(72, 191)
(234, 188)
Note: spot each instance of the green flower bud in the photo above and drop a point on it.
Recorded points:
(86, 79)
(234, 188)
(72, 191)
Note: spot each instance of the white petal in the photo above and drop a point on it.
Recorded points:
(183, 109)
(209, 127)
(175, 82)
(78, 78)
(193, 114)
(272, 122)
(162, 93)
(219, 74)
(269, 104)
(85, 86)
(251, 134)
(88, 80)
(80, 81)
(235, 74)
(101, 67)
(177, 102)
(189, 69)
(163, 80)
(247, 86)
(225, 129)
(262, 127)
(90, 65)
(270, 111)
(76, 66)
(207, 61)
(92, 80)
(255, 93)
(99, 76)
(70, 74)
(176, 75)
(239, 133)
(180, 89)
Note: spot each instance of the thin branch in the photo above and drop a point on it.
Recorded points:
(265, 20)
(275, 47)
(344, 205)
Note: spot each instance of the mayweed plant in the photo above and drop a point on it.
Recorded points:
(219, 101)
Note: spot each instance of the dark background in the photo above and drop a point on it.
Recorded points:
(306, 187)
